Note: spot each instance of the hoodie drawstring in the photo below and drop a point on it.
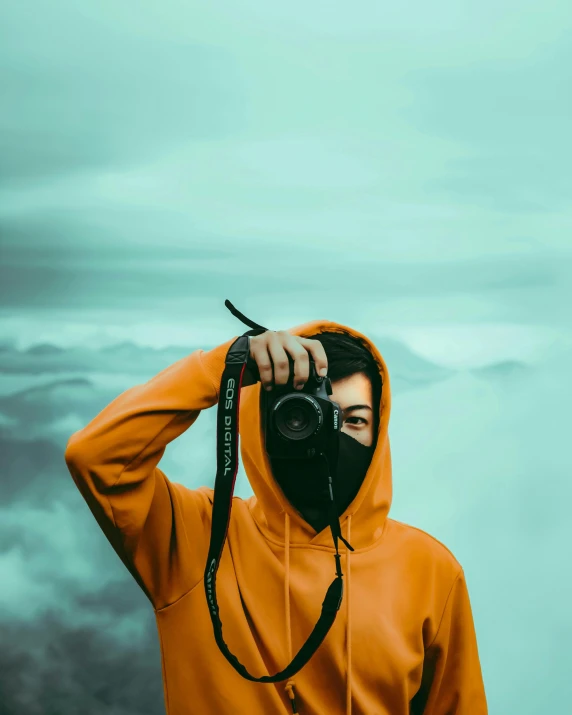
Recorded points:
(349, 624)
(290, 685)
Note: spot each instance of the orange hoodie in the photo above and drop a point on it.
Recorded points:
(403, 642)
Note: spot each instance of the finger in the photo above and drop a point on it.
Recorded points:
(316, 350)
(259, 353)
(301, 368)
(279, 358)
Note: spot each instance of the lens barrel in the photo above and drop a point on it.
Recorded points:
(297, 417)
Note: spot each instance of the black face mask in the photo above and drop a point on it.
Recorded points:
(305, 482)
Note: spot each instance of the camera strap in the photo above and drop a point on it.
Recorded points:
(227, 468)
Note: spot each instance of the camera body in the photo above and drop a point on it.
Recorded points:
(300, 424)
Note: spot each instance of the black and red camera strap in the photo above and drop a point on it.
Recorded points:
(227, 468)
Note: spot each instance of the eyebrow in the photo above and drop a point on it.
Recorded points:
(357, 407)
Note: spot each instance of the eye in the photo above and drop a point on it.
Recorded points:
(356, 418)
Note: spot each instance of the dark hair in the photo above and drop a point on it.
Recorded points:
(348, 355)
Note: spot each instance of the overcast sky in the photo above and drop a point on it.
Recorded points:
(404, 169)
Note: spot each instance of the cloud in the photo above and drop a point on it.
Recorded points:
(51, 667)
(509, 119)
(29, 468)
(91, 95)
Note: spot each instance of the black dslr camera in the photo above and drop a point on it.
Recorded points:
(299, 424)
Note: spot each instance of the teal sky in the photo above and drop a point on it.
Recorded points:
(401, 169)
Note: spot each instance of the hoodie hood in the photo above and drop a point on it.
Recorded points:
(369, 509)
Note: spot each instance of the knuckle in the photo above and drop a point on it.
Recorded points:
(266, 362)
(301, 369)
(262, 358)
(302, 361)
(297, 348)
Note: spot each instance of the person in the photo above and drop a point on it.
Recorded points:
(403, 641)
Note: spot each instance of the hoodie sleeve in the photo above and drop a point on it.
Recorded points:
(452, 682)
(157, 527)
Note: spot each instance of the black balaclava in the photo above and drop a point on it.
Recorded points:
(305, 483)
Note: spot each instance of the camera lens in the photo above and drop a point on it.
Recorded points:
(297, 416)
(295, 419)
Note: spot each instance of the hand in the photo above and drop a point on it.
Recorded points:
(272, 351)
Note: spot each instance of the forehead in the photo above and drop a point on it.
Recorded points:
(352, 390)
